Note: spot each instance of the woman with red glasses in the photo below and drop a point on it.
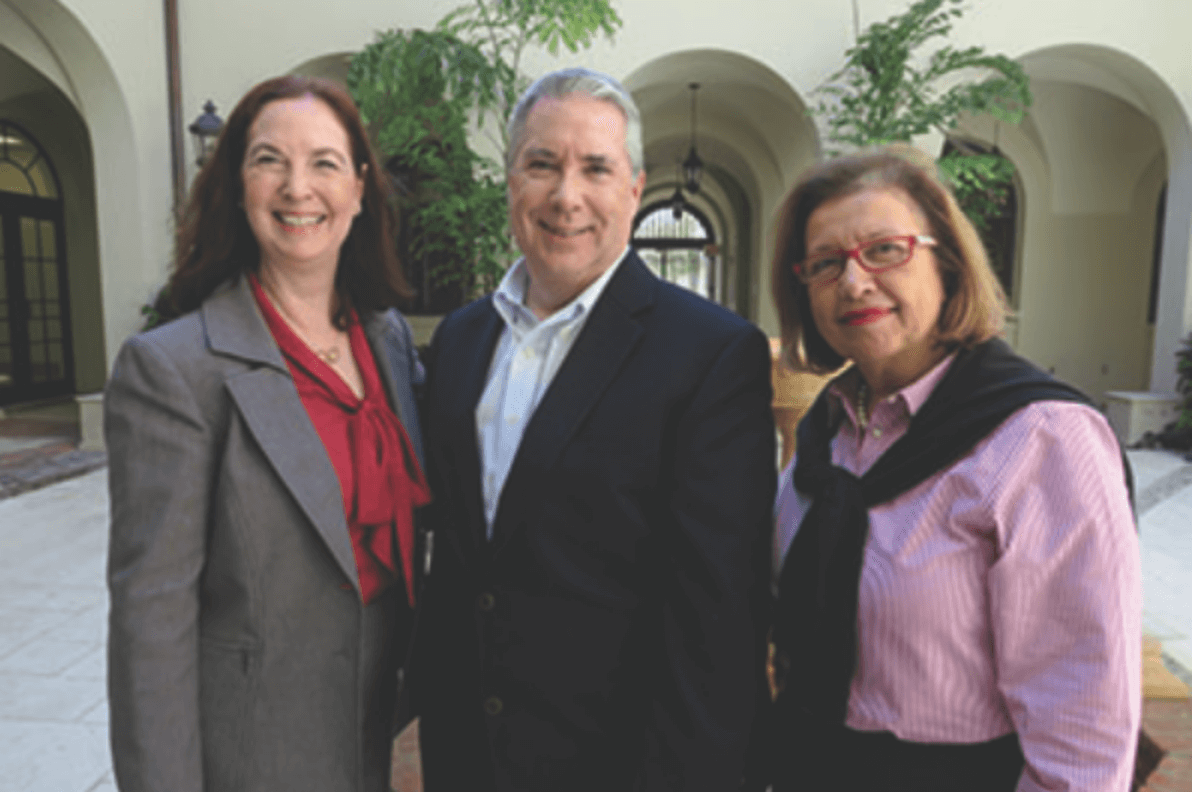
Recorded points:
(956, 562)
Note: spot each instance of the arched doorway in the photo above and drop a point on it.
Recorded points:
(678, 245)
(750, 157)
(36, 358)
(993, 210)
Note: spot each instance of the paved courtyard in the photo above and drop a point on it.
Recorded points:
(53, 616)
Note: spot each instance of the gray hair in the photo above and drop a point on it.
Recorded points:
(587, 82)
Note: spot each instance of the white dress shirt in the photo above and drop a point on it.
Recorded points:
(528, 355)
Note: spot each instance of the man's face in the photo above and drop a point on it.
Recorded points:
(572, 193)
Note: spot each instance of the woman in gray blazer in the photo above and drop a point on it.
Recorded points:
(264, 468)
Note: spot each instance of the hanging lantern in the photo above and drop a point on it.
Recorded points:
(692, 163)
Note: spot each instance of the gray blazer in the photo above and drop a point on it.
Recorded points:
(240, 656)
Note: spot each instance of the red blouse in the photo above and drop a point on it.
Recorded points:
(380, 479)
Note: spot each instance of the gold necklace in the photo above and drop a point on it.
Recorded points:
(860, 401)
(328, 355)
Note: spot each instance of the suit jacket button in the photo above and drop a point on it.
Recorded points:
(485, 602)
(493, 706)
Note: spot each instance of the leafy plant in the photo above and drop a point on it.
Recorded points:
(417, 91)
(982, 183)
(420, 92)
(503, 29)
(887, 93)
(152, 317)
(1183, 387)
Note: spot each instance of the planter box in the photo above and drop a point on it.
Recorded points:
(1132, 413)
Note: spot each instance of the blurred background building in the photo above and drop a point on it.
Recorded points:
(94, 151)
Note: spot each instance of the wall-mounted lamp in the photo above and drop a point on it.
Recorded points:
(206, 129)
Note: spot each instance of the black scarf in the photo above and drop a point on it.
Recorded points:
(817, 611)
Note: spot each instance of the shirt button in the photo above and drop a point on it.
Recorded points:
(485, 602)
(493, 706)
(877, 432)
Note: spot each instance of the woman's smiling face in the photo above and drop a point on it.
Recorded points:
(883, 321)
(301, 189)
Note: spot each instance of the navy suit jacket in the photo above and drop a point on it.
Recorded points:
(611, 633)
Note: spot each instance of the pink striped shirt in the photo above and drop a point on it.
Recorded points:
(1000, 594)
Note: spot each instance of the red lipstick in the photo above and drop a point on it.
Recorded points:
(865, 316)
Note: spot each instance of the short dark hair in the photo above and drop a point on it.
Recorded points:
(975, 305)
(214, 241)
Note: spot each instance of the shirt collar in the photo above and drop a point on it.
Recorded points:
(914, 395)
(509, 299)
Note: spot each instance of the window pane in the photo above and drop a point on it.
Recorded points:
(663, 224)
(13, 180)
(29, 238)
(48, 242)
(35, 332)
(54, 330)
(49, 273)
(651, 259)
(43, 179)
(55, 366)
(18, 149)
(32, 281)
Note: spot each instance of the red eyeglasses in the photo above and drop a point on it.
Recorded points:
(874, 256)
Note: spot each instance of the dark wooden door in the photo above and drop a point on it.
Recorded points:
(36, 360)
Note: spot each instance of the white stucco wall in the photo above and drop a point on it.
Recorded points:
(109, 60)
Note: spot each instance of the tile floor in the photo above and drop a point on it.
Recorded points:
(53, 605)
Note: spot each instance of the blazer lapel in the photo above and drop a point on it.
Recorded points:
(609, 336)
(392, 355)
(270, 406)
(481, 333)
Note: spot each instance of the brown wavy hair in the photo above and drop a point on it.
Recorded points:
(975, 305)
(215, 243)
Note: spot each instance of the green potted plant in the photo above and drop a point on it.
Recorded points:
(417, 91)
(888, 92)
(420, 95)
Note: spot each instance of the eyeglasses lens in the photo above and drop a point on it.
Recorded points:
(879, 255)
(887, 253)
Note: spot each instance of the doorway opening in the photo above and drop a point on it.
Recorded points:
(36, 359)
(678, 245)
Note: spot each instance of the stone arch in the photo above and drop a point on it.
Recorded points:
(1103, 120)
(332, 66)
(1087, 156)
(754, 136)
(110, 264)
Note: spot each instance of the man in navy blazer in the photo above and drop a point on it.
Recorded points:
(602, 454)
